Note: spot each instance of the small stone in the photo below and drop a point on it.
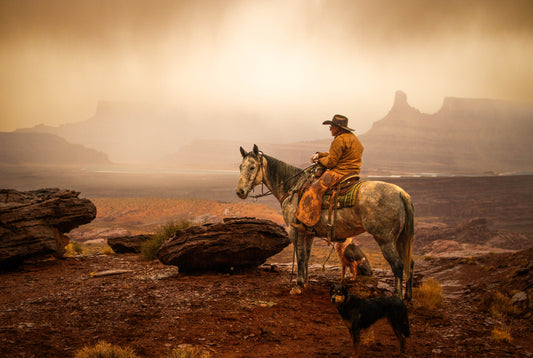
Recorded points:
(519, 297)
(385, 287)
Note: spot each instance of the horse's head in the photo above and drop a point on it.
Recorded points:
(251, 171)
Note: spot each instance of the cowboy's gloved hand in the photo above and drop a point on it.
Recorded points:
(314, 158)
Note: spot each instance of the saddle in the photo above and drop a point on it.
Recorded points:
(343, 193)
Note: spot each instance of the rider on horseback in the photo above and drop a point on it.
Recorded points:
(343, 160)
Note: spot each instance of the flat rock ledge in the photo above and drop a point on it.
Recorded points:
(33, 223)
(234, 244)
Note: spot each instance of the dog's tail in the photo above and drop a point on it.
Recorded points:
(404, 243)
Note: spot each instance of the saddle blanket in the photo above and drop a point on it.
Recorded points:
(343, 200)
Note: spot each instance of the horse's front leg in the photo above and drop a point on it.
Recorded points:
(308, 242)
(298, 241)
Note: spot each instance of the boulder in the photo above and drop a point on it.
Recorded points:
(33, 223)
(127, 244)
(235, 243)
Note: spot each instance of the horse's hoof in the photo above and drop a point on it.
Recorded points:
(296, 291)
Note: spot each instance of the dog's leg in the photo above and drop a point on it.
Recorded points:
(356, 333)
(340, 254)
(397, 328)
(353, 269)
(402, 344)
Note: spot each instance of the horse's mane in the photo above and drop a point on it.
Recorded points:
(281, 174)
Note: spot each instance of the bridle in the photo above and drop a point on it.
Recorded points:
(262, 169)
(269, 192)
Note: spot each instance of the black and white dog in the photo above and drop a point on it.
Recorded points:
(359, 314)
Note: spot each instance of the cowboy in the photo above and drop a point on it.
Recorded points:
(343, 160)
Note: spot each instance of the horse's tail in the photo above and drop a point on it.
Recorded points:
(404, 244)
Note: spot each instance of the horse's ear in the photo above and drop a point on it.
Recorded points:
(243, 152)
(256, 150)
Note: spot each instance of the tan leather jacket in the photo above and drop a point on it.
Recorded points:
(344, 156)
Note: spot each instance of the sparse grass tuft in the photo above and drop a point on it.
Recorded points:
(502, 306)
(150, 247)
(105, 350)
(73, 249)
(187, 351)
(429, 295)
(488, 268)
(467, 260)
(501, 334)
(107, 250)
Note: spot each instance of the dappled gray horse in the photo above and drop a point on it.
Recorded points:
(382, 209)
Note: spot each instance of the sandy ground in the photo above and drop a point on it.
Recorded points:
(55, 307)
(52, 308)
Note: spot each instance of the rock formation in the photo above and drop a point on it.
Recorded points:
(235, 243)
(127, 244)
(33, 223)
(474, 235)
(466, 135)
(47, 149)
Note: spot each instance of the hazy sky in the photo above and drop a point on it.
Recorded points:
(311, 58)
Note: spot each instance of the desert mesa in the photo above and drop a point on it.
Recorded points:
(465, 136)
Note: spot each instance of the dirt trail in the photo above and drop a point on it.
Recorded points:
(53, 308)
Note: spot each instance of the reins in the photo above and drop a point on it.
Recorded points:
(269, 192)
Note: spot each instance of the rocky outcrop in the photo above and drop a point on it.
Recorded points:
(45, 148)
(472, 236)
(127, 244)
(33, 223)
(235, 243)
(466, 135)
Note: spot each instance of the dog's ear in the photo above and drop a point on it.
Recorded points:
(343, 289)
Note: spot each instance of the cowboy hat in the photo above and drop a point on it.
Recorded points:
(339, 121)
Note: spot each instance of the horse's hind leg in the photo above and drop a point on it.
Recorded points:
(394, 260)
(409, 283)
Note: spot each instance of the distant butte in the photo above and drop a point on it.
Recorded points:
(465, 136)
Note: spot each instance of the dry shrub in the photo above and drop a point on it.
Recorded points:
(467, 260)
(73, 249)
(107, 250)
(188, 351)
(429, 295)
(502, 306)
(105, 350)
(150, 247)
(501, 334)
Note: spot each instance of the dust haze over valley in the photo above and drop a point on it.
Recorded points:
(430, 87)
(159, 75)
(140, 107)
